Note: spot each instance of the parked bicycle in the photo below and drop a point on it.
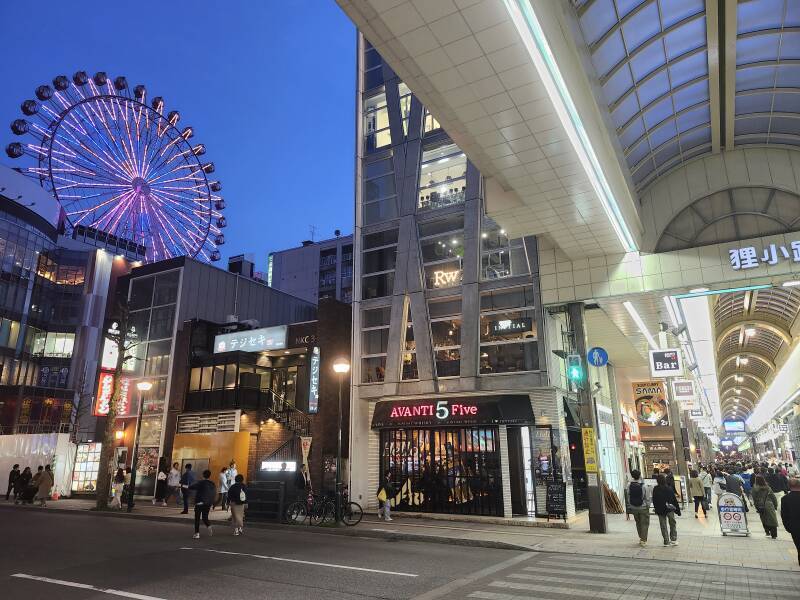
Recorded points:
(318, 511)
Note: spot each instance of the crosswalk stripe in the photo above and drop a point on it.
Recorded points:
(564, 590)
(498, 596)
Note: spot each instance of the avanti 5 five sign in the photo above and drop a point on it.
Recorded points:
(468, 410)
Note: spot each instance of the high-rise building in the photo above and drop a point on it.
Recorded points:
(448, 364)
(314, 270)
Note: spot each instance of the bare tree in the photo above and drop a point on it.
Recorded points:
(125, 341)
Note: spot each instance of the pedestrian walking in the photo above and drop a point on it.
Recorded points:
(666, 507)
(231, 473)
(697, 491)
(385, 493)
(639, 505)
(707, 480)
(21, 484)
(790, 512)
(174, 484)
(237, 497)
(222, 487)
(161, 486)
(669, 479)
(118, 484)
(205, 493)
(45, 486)
(186, 481)
(766, 504)
(13, 475)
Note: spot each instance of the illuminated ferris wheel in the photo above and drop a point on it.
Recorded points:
(120, 164)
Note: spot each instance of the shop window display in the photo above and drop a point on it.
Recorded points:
(448, 470)
(508, 333)
(87, 465)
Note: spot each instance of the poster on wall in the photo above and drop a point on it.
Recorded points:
(650, 398)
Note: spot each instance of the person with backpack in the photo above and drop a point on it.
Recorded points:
(384, 494)
(665, 505)
(697, 491)
(639, 505)
(237, 500)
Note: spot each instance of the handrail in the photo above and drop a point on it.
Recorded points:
(283, 412)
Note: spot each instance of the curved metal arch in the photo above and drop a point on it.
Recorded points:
(644, 109)
(672, 118)
(727, 401)
(758, 324)
(660, 36)
(732, 393)
(666, 166)
(732, 376)
(749, 354)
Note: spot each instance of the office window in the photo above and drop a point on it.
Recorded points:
(141, 294)
(508, 333)
(409, 370)
(500, 256)
(405, 105)
(446, 335)
(373, 73)
(443, 177)
(374, 343)
(161, 322)
(431, 124)
(379, 256)
(376, 123)
(166, 288)
(379, 200)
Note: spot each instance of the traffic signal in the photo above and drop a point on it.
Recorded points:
(574, 368)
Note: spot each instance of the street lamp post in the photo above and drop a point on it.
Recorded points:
(341, 367)
(142, 386)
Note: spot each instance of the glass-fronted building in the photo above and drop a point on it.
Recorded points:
(449, 360)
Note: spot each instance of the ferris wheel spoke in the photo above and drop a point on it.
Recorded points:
(188, 222)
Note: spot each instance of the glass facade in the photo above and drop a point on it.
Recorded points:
(443, 177)
(448, 470)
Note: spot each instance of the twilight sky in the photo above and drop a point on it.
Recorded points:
(268, 85)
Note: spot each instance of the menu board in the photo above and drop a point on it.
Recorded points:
(557, 498)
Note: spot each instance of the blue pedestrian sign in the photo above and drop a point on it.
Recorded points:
(597, 357)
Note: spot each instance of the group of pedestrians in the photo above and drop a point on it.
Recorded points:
(27, 487)
(773, 490)
(229, 493)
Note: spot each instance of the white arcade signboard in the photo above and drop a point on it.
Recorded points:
(732, 515)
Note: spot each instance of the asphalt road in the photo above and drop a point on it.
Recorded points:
(78, 556)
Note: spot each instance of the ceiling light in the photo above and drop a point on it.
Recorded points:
(640, 324)
(484, 235)
(738, 390)
(750, 331)
(792, 283)
(739, 378)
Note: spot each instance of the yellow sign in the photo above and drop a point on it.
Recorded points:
(589, 449)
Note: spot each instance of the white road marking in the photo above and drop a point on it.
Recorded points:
(387, 530)
(305, 562)
(86, 586)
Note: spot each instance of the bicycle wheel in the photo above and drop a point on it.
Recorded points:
(352, 513)
(296, 513)
(328, 512)
(317, 514)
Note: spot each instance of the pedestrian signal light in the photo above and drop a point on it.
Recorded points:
(574, 368)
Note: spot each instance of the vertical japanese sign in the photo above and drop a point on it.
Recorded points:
(105, 389)
(589, 449)
(305, 447)
(313, 381)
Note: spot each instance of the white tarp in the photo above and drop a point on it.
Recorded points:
(32, 450)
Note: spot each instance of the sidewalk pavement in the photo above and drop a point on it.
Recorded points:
(700, 540)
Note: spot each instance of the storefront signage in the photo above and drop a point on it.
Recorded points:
(589, 449)
(666, 363)
(446, 278)
(469, 410)
(650, 398)
(105, 389)
(108, 359)
(696, 412)
(683, 391)
(255, 340)
(305, 447)
(506, 326)
(732, 516)
(658, 447)
(313, 381)
(748, 257)
(556, 499)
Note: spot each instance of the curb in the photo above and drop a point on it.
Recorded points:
(342, 531)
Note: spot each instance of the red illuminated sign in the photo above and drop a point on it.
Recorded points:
(105, 389)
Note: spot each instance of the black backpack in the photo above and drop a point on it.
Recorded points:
(636, 494)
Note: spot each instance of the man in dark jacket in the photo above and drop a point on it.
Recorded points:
(205, 494)
(790, 513)
(187, 479)
(665, 505)
(12, 479)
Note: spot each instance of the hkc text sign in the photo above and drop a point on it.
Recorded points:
(666, 363)
(465, 410)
